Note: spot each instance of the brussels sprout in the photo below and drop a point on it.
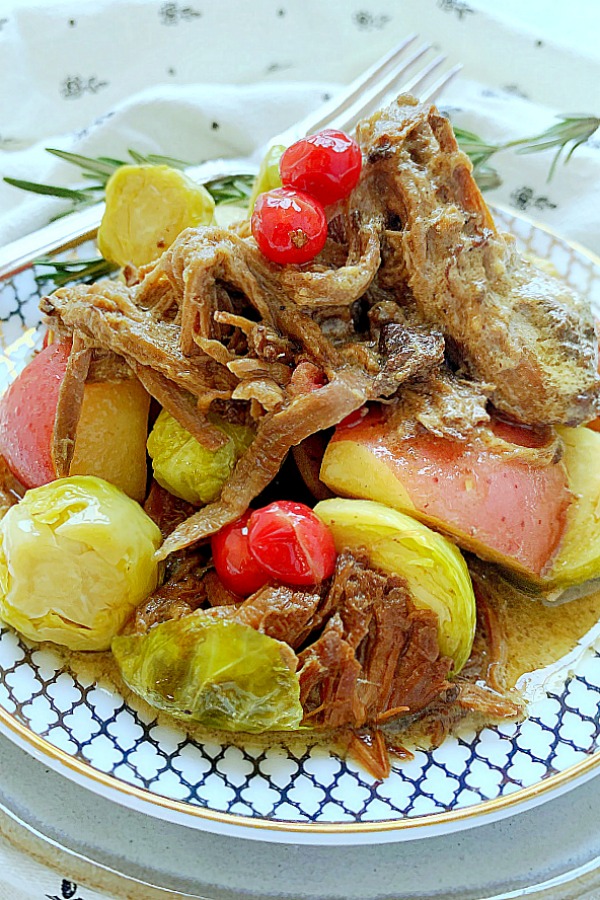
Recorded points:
(214, 671)
(432, 566)
(186, 468)
(146, 208)
(76, 556)
(268, 175)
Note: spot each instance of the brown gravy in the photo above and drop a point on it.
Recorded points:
(538, 635)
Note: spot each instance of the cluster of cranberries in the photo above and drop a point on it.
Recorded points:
(289, 224)
(283, 542)
(286, 542)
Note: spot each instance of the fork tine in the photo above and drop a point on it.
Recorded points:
(413, 84)
(437, 87)
(373, 98)
(348, 120)
(372, 74)
(349, 95)
(370, 98)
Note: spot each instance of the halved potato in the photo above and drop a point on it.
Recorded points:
(578, 557)
(498, 506)
(111, 435)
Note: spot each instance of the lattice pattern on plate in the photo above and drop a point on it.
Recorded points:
(91, 721)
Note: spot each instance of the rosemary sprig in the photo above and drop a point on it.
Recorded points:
(77, 195)
(100, 168)
(566, 136)
(233, 189)
(63, 271)
(230, 189)
(572, 129)
(97, 168)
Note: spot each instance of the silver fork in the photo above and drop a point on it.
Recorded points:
(352, 103)
(342, 111)
(370, 89)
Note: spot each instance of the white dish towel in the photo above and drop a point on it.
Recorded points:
(200, 80)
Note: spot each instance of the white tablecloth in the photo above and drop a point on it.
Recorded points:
(200, 79)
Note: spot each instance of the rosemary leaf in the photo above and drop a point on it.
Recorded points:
(115, 162)
(67, 271)
(487, 177)
(81, 194)
(138, 158)
(231, 189)
(76, 207)
(473, 145)
(155, 160)
(88, 165)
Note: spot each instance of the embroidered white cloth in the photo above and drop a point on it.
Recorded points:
(196, 79)
(26, 878)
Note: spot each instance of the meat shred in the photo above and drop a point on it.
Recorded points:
(417, 303)
(414, 271)
(367, 656)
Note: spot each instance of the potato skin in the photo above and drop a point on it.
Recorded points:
(504, 510)
(27, 414)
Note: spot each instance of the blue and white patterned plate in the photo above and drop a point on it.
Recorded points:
(74, 719)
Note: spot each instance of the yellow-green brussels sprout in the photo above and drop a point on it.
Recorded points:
(433, 568)
(217, 672)
(76, 556)
(268, 175)
(186, 468)
(146, 208)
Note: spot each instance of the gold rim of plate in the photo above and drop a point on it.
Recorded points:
(498, 804)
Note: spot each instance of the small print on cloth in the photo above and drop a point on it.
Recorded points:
(68, 891)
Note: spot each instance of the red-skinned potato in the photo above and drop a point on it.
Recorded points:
(111, 434)
(502, 509)
(27, 413)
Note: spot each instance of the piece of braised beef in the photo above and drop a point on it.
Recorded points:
(378, 655)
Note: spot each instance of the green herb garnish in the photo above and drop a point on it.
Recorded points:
(572, 130)
(569, 133)
(61, 272)
(229, 189)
